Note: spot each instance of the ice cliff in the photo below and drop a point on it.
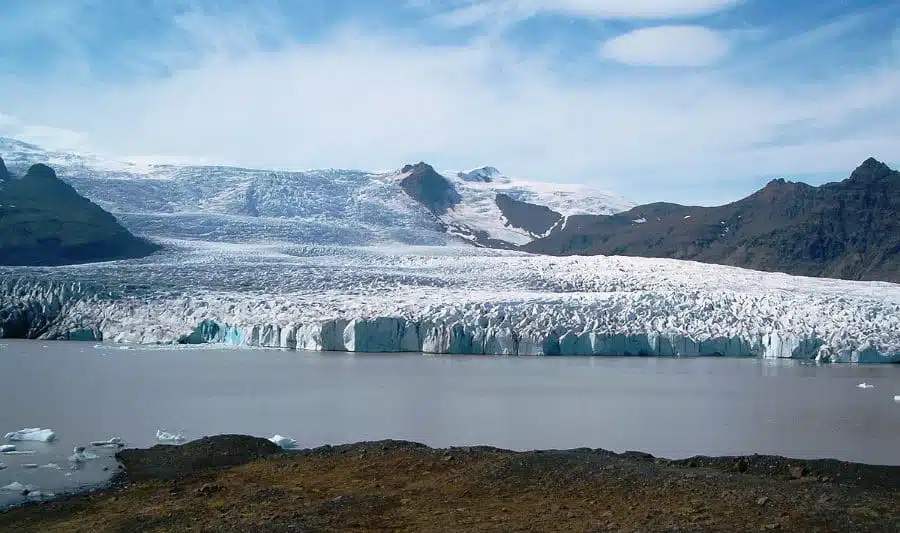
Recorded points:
(448, 301)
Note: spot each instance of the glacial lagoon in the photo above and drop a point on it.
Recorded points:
(671, 407)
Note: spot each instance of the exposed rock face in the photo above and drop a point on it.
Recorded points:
(4, 172)
(848, 230)
(44, 221)
(423, 184)
(533, 218)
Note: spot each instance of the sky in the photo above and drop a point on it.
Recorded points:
(694, 101)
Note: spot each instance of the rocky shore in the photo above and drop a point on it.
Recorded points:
(239, 483)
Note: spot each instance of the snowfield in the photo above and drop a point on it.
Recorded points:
(453, 300)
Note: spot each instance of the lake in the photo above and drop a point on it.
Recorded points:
(665, 406)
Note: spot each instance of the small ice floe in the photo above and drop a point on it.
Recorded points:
(865, 386)
(31, 434)
(285, 443)
(19, 452)
(80, 456)
(6, 448)
(51, 466)
(30, 466)
(165, 436)
(114, 442)
(15, 486)
(2, 466)
(897, 398)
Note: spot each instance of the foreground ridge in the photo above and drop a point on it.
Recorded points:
(239, 483)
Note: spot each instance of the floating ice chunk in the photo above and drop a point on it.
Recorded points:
(19, 452)
(80, 456)
(51, 466)
(6, 448)
(285, 443)
(2, 466)
(166, 436)
(114, 442)
(30, 465)
(15, 486)
(865, 386)
(897, 398)
(31, 434)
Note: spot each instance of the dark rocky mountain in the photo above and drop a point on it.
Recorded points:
(533, 218)
(849, 229)
(424, 185)
(44, 222)
(4, 172)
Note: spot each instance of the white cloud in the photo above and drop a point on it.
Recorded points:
(668, 46)
(373, 101)
(470, 12)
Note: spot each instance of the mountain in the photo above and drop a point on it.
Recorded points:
(43, 221)
(414, 205)
(848, 230)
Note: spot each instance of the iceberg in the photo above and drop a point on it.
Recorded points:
(285, 443)
(31, 434)
(15, 486)
(2, 466)
(865, 386)
(114, 442)
(6, 448)
(79, 455)
(166, 436)
(897, 398)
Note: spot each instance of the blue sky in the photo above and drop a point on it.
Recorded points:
(697, 101)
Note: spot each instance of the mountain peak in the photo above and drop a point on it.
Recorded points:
(482, 174)
(871, 170)
(4, 172)
(422, 183)
(40, 170)
(421, 166)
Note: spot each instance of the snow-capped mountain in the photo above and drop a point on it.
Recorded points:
(330, 206)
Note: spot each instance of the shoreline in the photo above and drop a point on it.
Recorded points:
(239, 483)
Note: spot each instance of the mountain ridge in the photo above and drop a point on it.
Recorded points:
(848, 229)
(45, 222)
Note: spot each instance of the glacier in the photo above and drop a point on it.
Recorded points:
(451, 300)
(344, 260)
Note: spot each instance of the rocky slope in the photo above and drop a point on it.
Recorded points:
(43, 221)
(848, 230)
(233, 483)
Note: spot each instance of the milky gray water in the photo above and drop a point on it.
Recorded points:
(668, 407)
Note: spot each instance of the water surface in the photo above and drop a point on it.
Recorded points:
(668, 407)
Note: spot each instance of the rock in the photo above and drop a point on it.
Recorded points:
(798, 472)
(762, 501)
(209, 488)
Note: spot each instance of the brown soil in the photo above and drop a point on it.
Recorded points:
(401, 486)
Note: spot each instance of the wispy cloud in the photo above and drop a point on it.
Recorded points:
(467, 12)
(241, 85)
